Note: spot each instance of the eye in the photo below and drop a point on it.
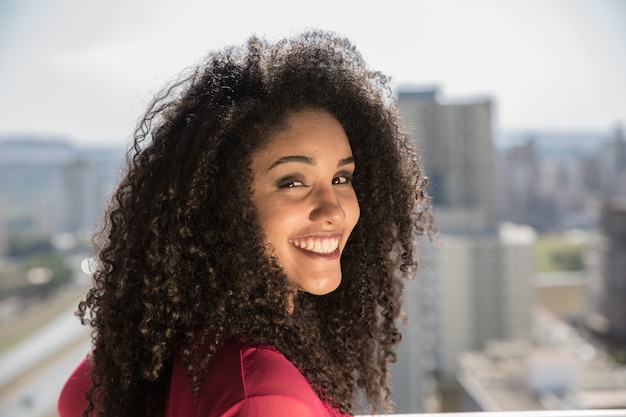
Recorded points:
(342, 179)
(290, 182)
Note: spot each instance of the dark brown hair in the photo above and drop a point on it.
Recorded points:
(181, 255)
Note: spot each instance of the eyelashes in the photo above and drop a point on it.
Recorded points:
(342, 179)
(290, 182)
(295, 181)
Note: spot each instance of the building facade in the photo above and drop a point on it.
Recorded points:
(607, 275)
(480, 277)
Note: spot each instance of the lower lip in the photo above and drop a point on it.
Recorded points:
(326, 256)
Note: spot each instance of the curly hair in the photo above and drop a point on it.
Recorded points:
(182, 262)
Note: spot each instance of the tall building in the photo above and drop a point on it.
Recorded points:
(81, 196)
(413, 375)
(521, 169)
(484, 293)
(481, 288)
(45, 215)
(607, 282)
(4, 241)
(456, 145)
(563, 184)
(607, 256)
(613, 167)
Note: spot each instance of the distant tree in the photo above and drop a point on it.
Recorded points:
(21, 246)
(568, 259)
(50, 267)
(557, 253)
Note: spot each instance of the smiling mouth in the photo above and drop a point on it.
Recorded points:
(317, 244)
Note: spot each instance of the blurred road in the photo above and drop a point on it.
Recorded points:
(33, 372)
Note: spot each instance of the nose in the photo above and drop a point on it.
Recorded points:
(327, 207)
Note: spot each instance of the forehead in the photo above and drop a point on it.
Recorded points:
(309, 129)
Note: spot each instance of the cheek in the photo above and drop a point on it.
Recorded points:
(268, 224)
(275, 220)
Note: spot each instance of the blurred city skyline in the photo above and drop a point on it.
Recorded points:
(517, 119)
(85, 71)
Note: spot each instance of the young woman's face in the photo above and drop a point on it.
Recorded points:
(303, 193)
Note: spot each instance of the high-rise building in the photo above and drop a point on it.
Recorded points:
(456, 145)
(413, 375)
(45, 216)
(484, 292)
(613, 167)
(607, 279)
(521, 169)
(81, 202)
(607, 256)
(482, 272)
(4, 241)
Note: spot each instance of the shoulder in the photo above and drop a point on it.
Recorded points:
(72, 400)
(265, 371)
(246, 379)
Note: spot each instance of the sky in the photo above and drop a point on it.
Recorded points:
(85, 70)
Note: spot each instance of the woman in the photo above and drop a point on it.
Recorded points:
(253, 255)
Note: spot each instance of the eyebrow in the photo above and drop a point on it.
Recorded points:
(307, 160)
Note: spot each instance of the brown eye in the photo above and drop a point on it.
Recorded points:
(342, 179)
(290, 182)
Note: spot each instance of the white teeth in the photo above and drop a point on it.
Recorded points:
(317, 245)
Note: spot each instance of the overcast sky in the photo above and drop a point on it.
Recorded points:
(85, 69)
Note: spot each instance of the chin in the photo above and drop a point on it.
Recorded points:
(322, 288)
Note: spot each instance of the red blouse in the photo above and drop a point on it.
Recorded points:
(243, 380)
